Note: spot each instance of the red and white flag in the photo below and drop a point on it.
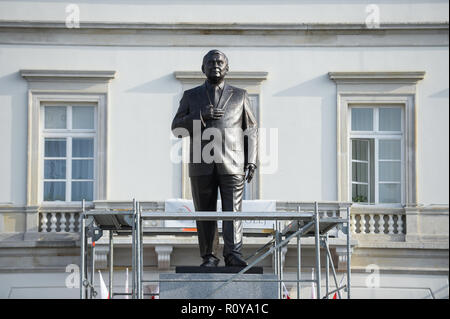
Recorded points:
(104, 294)
(285, 292)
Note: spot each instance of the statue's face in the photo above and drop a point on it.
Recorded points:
(215, 67)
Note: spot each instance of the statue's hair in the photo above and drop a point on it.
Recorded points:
(212, 52)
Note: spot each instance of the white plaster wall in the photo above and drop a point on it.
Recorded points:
(6, 147)
(234, 11)
(298, 99)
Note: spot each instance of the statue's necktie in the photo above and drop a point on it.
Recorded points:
(214, 93)
(216, 96)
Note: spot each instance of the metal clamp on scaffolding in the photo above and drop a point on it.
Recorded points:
(307, 223)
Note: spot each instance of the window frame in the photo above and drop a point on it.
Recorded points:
(60, 86)
(376, 135)
(384, 88)
(352, 182)
(68, 133)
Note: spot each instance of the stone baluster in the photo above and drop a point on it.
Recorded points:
(362, 224)
(44, 221)
(71, 222)
(353, 223)
(53, 221)
(62, 222)
(381, 224)
(391, 224)
(79, 221)
(399, 224)
(333, 214)
(371, 224)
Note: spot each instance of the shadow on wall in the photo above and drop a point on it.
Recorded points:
(15, 87)
(162, 85)
(321, 87)
(315, 87)
(440, 94)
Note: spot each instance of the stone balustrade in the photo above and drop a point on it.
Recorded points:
(388, 222)
(55, 222)
(382, 223)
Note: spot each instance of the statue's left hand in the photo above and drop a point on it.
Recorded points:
(250, 169)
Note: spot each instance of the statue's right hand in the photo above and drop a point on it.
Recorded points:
(211, 113)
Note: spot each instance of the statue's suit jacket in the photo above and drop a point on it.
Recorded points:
(238, 138)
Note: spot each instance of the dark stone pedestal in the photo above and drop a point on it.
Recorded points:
(216, 270)
(204, 286)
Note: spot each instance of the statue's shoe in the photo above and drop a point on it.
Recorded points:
(210, 261)
(234, 261)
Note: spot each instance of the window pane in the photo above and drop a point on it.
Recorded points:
(362, 119)
(55, 147)
(360, 193)
(55, 117)
(55, 169)
(390, 193)
(390, 119)
(82, 190)
(360, 172)
(82, 169)
(82, 117)
(390, 149)
(82, 147)
(360, 150)
(54, 191)
(390, 171)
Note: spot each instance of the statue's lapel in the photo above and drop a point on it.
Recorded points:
(226, 95)
(203, 94)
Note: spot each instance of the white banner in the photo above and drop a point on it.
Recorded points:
(187, 206)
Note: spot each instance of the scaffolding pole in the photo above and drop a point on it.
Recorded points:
(111, 263)
(83, 252)
(317, 246)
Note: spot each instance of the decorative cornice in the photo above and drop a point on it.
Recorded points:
(214, 34)
(410, 77)
(180, 26)
(68, 75)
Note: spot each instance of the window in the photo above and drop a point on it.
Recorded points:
(376, 143)
(376, 136)
(69, 138)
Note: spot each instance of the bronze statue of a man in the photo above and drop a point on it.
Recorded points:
(223, 151)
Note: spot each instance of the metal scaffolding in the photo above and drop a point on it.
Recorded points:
(303, 224)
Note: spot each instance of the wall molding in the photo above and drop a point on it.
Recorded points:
(224, 35)
(67, 75)
(225, 26)
(406, 77)
(255, 77)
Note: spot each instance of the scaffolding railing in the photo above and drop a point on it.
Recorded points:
(309, 223)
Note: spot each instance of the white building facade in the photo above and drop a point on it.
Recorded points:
(352, 101)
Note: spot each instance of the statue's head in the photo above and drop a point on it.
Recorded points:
(215, 66)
